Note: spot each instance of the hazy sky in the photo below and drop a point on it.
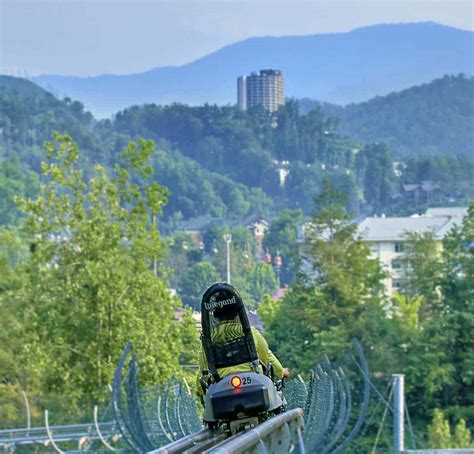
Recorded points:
(89, 37)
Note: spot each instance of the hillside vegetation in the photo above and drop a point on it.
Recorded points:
(222, 162)
(432, 118)
(29, 117)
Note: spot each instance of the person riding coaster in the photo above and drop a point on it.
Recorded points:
(236, 381)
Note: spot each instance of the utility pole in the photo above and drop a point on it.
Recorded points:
(398, 413)
(228, 238)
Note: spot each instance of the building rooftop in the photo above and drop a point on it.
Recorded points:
(270, 72)
(395, 228)
(255, 321)
(447, 211)
(281, 293)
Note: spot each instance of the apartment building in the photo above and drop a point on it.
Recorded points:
(263, 88)
(386, 236)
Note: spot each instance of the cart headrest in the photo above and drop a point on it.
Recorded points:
(220, 298)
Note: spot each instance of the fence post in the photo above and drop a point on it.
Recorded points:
(398, 413)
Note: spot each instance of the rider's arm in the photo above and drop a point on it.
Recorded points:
(202, 367)
(265, 354)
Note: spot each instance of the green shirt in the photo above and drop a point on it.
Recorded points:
(231, 329)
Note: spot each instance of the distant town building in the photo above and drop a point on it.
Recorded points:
(385, 237)
(281, 293)
(242, 92)
(265, 88)
(426, 191)
(258, 228)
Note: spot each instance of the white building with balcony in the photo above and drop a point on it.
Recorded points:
(386, 236)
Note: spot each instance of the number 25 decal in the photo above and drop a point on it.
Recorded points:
(246, 380)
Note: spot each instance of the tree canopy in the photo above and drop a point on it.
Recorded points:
(84, 277)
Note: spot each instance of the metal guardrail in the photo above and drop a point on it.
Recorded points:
(196, 442)
(279, 435)
(59, 433)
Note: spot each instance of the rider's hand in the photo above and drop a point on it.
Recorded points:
(286, 373)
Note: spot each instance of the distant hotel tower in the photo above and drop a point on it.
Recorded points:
(265, 88)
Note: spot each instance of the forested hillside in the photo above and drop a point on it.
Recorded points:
(28, 117)
(222, 162)
(430, 119)
(29, 114)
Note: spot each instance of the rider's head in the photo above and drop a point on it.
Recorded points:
(226, 313)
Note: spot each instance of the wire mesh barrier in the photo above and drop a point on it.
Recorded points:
(333, 399)
(151, 417)
(334, 407)
(379, 432)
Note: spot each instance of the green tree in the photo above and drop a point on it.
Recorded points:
(439, 432)
(421, 262)
(92, 280)
(13, 369)
(191, 345)
(440, 275)
(342, 270)
(379, 176)
(281, 238)
(14, 182)
(195, 282)
(462, 435)
(182, 252)
(262, 281)
(457, 321)
(329, 304)
(243, 241)
(268, 309)
(406, 309)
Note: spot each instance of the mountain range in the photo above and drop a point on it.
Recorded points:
(339, 68)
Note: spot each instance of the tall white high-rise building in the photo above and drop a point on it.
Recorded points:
(265, 88)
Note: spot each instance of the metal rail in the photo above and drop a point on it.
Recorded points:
(281, 434)
(196, 442)
(59, 433)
